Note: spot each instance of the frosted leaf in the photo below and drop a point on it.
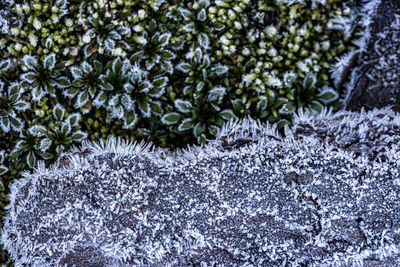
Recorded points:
(82, 99)
(114, 35)
(49, 61)
(30, 62)
(5, 124)
(202, 15)
(45, 144)
(185, 13)
(184, 67)
(216, 94)
(31, 159)
(76, 72)
(170, 118)
(190, 27)
(78, 136)
(183, 106)
(164, 39)
(144, 108)
(58, 112)
(37, 130)
(220, 69)
(130, 119)
(86, 67)
(186, 124)
(327, 95)
(109, 44)
(5, 64)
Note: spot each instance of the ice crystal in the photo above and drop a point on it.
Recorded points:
(324, 195)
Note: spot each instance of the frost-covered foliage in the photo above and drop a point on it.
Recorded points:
(249, 198)
(227, 58)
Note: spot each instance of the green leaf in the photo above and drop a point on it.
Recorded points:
(167, 67)
(167, 54)
(63, 82)
(136, 57)
(186, 124)
(98, 66)
(37, 130)
(219, 26)
(204, 40)
(49, 61)
(156, 107)
(220, 69)
(199, 129)
(216, 94)
(185, 13)
(184, 67)
(16, 124)
(66, 128)
(130, 119)
(156, 92)
(70, 93)
(144, 107)
(100, 99)
(316, 107)
(5, 124)
(31, 159)
(82, 99)
(171, 118)
(287, 108)
(164, 39)
(262, 103)
(4, 64)
(78, 136)
(227, 114)
(183, 106)
(160, 82)
(279, 101)
(77, 83)
(309, 80)
(106, 86)
(200, 86)
(202, 15)
(47, 155)
(3, 170)
(213, 129)
(189, 27)
(58, 112)
(189, 79)
(74, 119)
(28, 77)
(327, 95)
(117, 65)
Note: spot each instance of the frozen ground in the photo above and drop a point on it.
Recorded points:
(327, 195)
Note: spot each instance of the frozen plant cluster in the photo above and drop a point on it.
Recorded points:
(249, 198)
(175, 70)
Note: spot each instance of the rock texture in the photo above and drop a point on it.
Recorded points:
(375, 80)
(249, 198)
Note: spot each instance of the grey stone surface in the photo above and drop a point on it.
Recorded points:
(249, 198)
(375, 81)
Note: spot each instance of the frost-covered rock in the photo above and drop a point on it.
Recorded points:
(375, 79)
(326, 194)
